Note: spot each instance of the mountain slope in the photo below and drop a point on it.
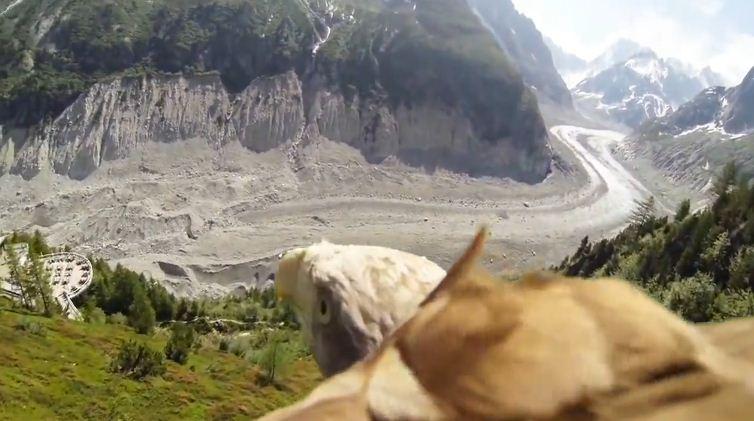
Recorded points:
(738, 112)
(697, 264)
(524, 44)
(63, 374)
(570, 66)
(378, 75)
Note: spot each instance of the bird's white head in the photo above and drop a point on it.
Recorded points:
(348, 298)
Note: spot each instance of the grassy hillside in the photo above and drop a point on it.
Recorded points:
(63, 374)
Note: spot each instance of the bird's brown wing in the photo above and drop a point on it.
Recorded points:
(542, 348)
(736, 337)
(690, 396)
(490, 350)
(547, 347)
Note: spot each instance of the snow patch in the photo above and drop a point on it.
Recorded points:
(10, 6)
(650, 68)
(321, 40)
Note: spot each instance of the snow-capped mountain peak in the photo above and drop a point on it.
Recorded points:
(643, 87)
(649, 66)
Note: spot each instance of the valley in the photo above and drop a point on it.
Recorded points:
(208, 223)
(176, 150)
(200, 165)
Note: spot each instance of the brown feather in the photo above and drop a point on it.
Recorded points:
(460, 271)
(543, 348)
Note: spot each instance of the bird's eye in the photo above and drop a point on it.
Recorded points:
(324, 311)
(322, 307)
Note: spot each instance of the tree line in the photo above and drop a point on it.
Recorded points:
(700, 265)
(120, 295)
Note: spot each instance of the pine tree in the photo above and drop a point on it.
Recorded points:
(274, 359)
(141, 314)
(162, 301)
(692, 298)
(182, 310)
(18, 276)
(181, 342)
(40, 278)
(726, 179)
(37, 245)
(689, 262)
(644, 212)
(742, 269)
(684, 209)
(715, 257)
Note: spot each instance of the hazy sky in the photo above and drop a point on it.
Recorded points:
(718, 33)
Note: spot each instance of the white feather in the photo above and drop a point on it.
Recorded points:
(379, 287)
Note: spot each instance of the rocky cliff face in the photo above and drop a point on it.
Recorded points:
(738, 112)
(372, 74)
(114, 119)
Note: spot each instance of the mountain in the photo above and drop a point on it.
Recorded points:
(618, 52)
(642, 88)
(85, 82)
(724, 110)
(524, 44)
(575, 69)
(738, 107)
(692, 144)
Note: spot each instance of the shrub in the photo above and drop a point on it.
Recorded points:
(630, 268)
(137, 361)
(93, 314)
(692, 298)
(224, 344)
(30, 326)
(180, 343)
(733, 304)
(117, 319)
(655, 289)
(274, 359)
(239, 346)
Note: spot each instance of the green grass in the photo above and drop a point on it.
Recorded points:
(63, 375)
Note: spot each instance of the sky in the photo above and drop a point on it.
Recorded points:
(716, 33)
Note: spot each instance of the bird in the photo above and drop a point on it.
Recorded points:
(544, 347)
(349, 298)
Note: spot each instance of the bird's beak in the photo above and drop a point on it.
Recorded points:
(287, 274)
